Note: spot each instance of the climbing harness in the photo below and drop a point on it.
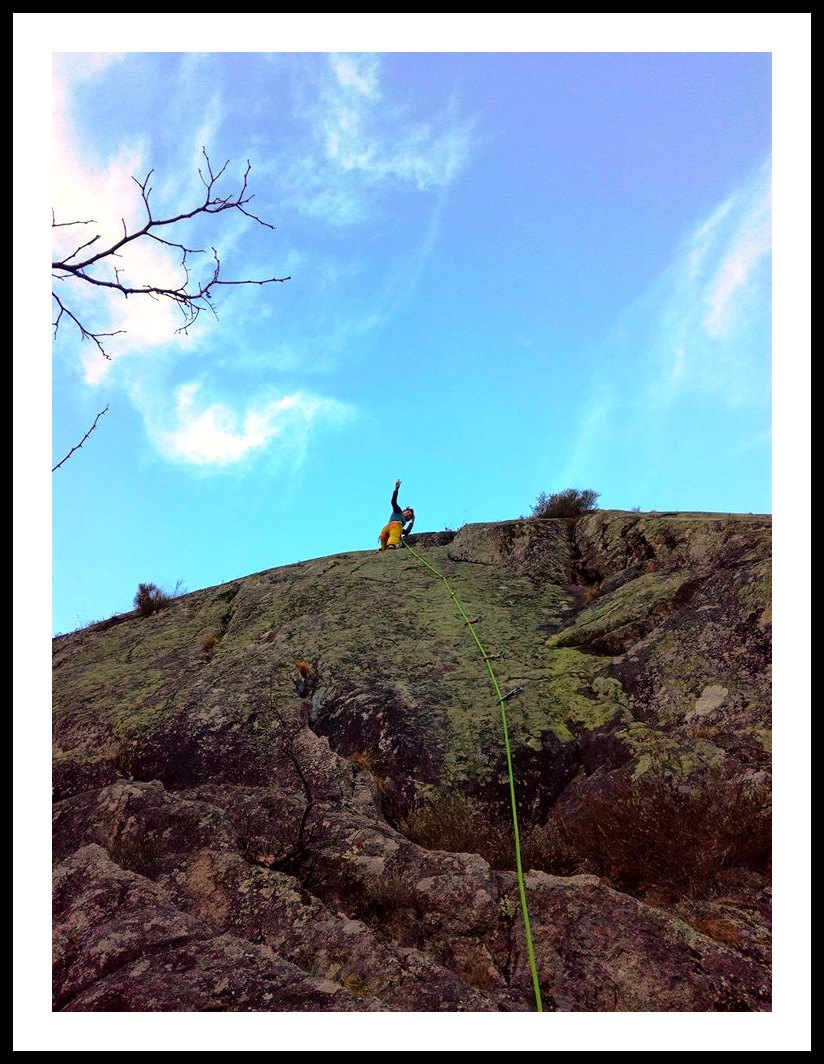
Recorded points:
(501, 699)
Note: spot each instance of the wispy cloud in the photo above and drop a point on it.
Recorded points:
(218, 435)
(360, 73)
(697, 340)
(737, 280)
(362, 141)
(704, 315)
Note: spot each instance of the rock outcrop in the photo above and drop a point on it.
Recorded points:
(288, 792)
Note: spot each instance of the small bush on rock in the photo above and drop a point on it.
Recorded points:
(149, 598)
(571, 502)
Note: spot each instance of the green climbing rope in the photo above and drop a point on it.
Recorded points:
(505, 725)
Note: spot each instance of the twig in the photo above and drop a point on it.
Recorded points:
(59, 225)
(77, 446)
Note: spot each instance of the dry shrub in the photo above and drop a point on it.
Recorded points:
(386, 897)
(658, 832)
(590, 592)
(548, 848)
(391, 801)
(656, 835)
(456, 824)
(571, 502)
(470, 959)
(366, 760)
(209, 642)
(355, 983)
(305, 677)
(449, 823)
(370, 762)
(718, 928)
(149, 598)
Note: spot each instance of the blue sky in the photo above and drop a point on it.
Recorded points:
(525, 254)
(510, 273)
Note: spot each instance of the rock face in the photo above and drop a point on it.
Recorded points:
(289, 792)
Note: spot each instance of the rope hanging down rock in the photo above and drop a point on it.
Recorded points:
(501, 698)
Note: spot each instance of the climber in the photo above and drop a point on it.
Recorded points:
(399, 524)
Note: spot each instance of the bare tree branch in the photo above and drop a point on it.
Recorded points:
(190, 300)
(84, 333)
(77, 446)
(266, 280)
(77, 251)
(58, 225)
(189, 295)
(212, 204)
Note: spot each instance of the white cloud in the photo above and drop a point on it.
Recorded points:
(214, 434)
